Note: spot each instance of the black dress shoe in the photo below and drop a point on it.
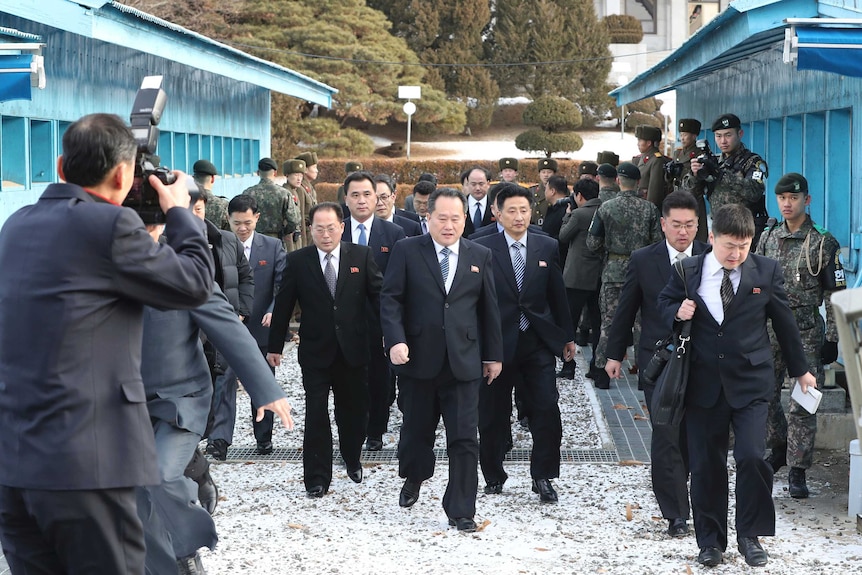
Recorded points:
(374, 444)
(777, 458)
(710, 556)
(796, 483)
(493, 488)
(217, 448)
(409, 493)
(317, 491)
(753, 552)
(264, 448)
(465, 524)
(545, 490)
(602, 380)
(568, 370)
(355, 475)
(208, 493)
(677, 527)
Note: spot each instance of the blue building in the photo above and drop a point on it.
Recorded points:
(95, 54)
(790, 69)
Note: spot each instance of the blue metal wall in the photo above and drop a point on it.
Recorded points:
(207, 115)
(799, 121)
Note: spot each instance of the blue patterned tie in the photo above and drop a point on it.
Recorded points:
(363, 239)
(424, 225)
(520, 266)
(444, 264)
(477, 217)
(329, 274)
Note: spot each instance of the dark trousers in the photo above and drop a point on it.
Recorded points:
(533, 369)
(349, 385)
(669, 467)
(422, 402)
(580, 300)
(380, 388)
(71, 532)
(708, 438)
(263, 428)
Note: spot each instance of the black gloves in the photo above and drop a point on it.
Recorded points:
(829, 352)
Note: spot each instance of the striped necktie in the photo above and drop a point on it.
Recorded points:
(520, 266)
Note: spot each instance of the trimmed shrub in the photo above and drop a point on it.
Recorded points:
(538, 140)
(623, 29)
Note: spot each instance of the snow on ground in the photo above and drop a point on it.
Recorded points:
(267, 525)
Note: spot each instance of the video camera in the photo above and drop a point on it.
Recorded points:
(709, 172)
(146, 114)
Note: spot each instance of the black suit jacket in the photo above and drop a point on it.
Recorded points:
(331, 324)
(736, 356)
(77, 273)
(542, 298)
(410, 226)
(267, 261)
(487, 218)
(381, 240)
(409, 215)
(648, 272)
(462, 326)
(491, 229)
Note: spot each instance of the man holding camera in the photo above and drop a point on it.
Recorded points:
(735, 177)
(75, 433)
(689, 129)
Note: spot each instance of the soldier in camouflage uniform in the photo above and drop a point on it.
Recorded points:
(809, 257)
(294, 171)
(204, 174)
(650, 162)
(689, 130)
(736, 177)
(608, 188)
(619, 227)
(547, 168)
(279, 214)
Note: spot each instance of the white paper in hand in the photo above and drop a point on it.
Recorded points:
(810, 400)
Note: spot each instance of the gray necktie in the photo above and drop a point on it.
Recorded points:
(726, 290)
(444, 264)
(329, 274)
(680, 256)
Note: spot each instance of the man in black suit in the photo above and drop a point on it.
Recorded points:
(336, 283)
(75, 434)
(421, 192)
(647, 274)
(364, 229)
(729, 295)
(386, 210)
(475, 182)
(536, 327)
(441, 327)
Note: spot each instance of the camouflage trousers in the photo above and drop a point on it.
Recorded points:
(797, 430)
(609, 298)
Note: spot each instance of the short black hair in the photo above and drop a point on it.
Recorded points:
(424, 188)
(326, 206)
(508, 190)
(589, 189)
(559, 185)
(428, 177)
(356, 177)
(446, 193)
(466, 173)
(678, 200)
(93, 146)
(384, 179)
(733, 220)
(241, 204)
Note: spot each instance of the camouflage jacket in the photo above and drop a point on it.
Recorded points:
(740, 181)
(653, 185)
(540, 204)
(619, 227)
(279, 214)
(810, 260)
(217, 210)
(609, 192)
(683, 156)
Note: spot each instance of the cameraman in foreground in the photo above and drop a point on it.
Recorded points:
(75, 433)
(735, 177)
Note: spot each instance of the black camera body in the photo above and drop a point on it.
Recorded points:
(709, 172)
(568, 201)
(145, 117)
(652, 371)
(674, 170)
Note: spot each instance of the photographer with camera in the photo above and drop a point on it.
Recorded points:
(735, 177)
(75, 433)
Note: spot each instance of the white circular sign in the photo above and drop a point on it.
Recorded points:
(409, 108)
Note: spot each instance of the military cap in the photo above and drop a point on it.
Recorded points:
(629, 170)
(650, 133)
(548, 164)
(608, 158)
(204, 167)
(726, 121)
(510, 163)
(606, 170)
(293, 167)
(310, 158)
(689, 126)
(351, 167)
(267, 164)
(588, 168)
(792, 183)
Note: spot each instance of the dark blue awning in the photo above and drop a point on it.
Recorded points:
(837, 50)
(15, 76)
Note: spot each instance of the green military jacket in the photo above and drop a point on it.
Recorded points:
(279, 214)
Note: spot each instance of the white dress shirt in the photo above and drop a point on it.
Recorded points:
(710, 285)
(354, 229)
(671, 251)
(336, 255)
(246, 246)
(453, 260)
(472, 203)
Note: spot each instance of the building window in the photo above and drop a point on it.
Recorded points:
(42, 153)
(13, 158)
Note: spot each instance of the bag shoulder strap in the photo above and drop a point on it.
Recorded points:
(677, 265)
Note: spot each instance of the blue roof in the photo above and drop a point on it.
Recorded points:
(121, 25)
(745, 28)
